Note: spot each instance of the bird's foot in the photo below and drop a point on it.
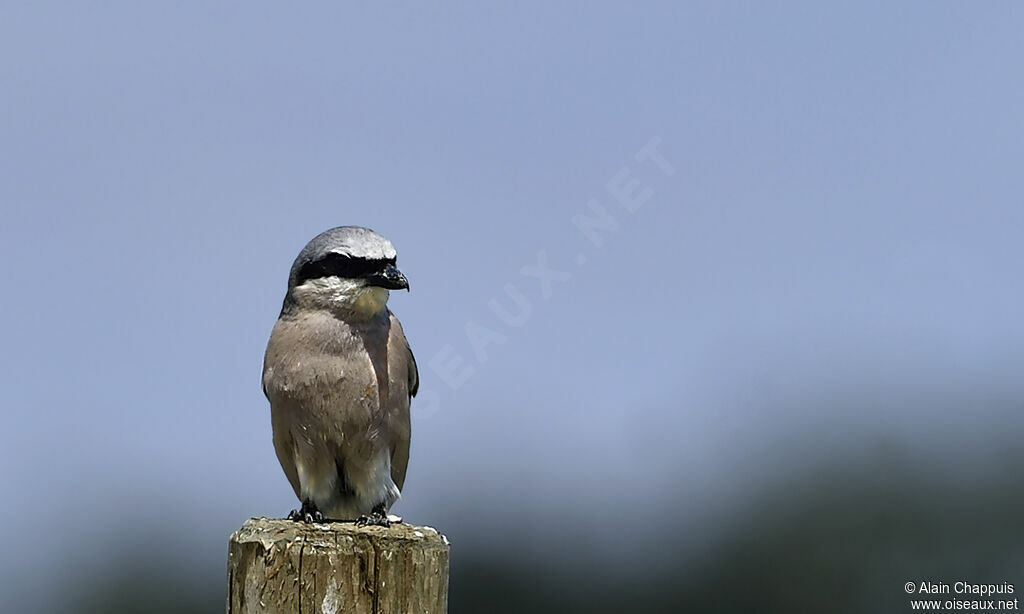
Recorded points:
(377, 518)
(308, 513)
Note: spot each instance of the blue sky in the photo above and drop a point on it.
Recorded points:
(835, 261)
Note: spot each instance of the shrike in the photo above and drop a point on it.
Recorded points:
(339, 375)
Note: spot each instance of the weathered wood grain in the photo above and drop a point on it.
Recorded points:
(279, 566)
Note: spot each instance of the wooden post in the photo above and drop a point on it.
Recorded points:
(282, 566)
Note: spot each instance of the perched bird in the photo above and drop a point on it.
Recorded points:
(339, 375)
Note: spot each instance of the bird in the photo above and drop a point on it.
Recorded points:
(340, 377)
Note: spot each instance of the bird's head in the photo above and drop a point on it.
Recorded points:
(348, 269)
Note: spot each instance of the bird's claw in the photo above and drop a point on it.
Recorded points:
(307, 514)
(375, 519)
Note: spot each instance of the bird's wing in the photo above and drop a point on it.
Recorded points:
(401, 433)
(414, 373)
(402, 345)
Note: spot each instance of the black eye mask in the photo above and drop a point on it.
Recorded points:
(339, 265)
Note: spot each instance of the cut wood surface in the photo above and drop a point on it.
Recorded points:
(285, 566)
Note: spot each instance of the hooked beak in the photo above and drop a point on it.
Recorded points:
(389, 277)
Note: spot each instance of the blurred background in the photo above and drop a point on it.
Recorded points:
(716, 306)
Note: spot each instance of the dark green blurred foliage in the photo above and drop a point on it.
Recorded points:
(136, 581)
(840, 538)
(845, 541)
